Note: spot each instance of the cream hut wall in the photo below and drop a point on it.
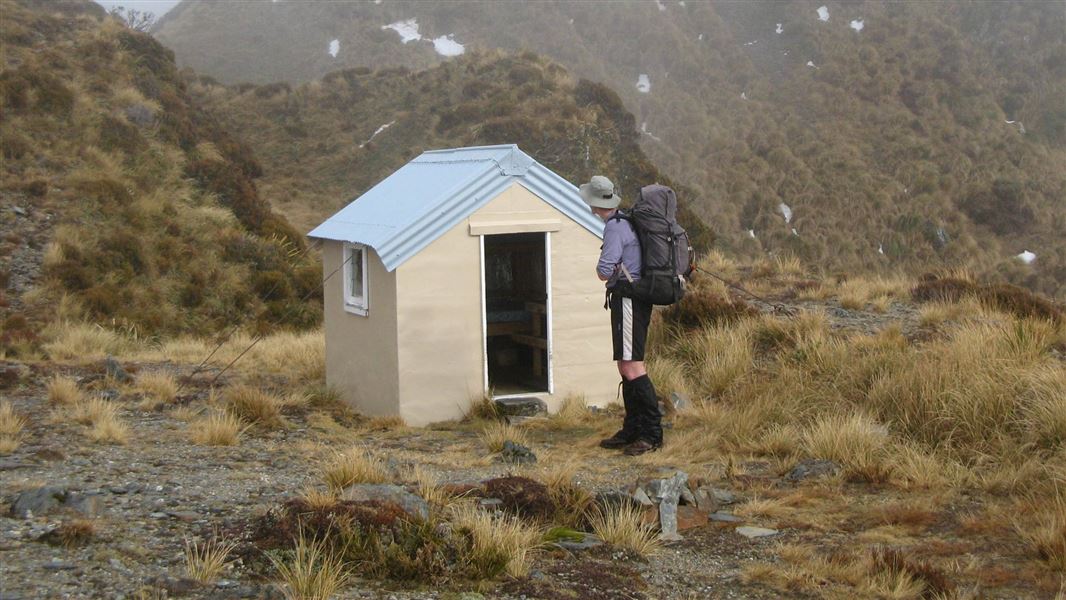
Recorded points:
(467, 271)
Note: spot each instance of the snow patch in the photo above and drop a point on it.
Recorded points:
(794, 232)
(810, 63)
(823, 13)
(1027, 257)
(408, 30)
(446, 45)
(779, 29)
(857, 24)
(751, 43)
(334, 48)
(662, 7)
(751, 233)
(880, 248)
(786, 212)
(644, 130)
(643, 83)
(377, 131)
(700, 37)
(743, 95)
(377, 1)
(681, 3)
(1021, 127)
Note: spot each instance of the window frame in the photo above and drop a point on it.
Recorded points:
(354, 304)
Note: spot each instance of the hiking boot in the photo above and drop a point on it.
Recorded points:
(641, 447)
(630, 425)
(616, 441)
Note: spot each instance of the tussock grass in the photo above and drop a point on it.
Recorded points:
(855, 441)
(429, 488)
(494, 434)
(498, 541)
(218, 429)
(318, 499)
(205, 560)
(159, 387)
(482, 408)
(109, 428)
(82, 342)
(881, 573)
(573, 412)
(355, 465)
(11, 426)
(99, 415)
(64, 391)
(622, 527)
(572, 501)
(253, 405)
(311, 571)
(1045, 531)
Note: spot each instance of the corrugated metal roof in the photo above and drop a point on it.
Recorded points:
(434, 192)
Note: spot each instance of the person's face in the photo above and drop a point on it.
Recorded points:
(602, 213)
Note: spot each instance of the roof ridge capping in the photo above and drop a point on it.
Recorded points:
(510, 159)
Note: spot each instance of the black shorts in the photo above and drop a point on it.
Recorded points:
(629, 327)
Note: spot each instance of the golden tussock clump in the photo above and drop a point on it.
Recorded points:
(496, 538)
(493, 435)
(64, 391)
(205, 560)
(623, 527)
(11, 425)
(356, 465)
(312, 571)
(253, 405)
(218, 429)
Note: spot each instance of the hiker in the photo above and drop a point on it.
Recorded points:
(620, 265)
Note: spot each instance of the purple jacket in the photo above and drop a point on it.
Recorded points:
(620, 245)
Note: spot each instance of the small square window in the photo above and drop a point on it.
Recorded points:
(356, 294)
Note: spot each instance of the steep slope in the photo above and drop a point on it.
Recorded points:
(883, 127)
(121, 201)
(326, 142)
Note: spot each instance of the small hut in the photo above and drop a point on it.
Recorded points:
(467, 272)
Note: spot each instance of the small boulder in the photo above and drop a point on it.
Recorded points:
(641, 497)
(49, 499)
(115, 371)
(705, 500)
(723, 496)
(812, 468)
(412, 505)
(516, 454)
(690, 517)
(527, 406)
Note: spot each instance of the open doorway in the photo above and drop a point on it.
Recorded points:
(517, 324)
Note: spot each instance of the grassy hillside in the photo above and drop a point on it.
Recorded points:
(122, 202)
(324, 143)
(883, 128)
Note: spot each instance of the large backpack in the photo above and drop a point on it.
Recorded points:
(666, 255)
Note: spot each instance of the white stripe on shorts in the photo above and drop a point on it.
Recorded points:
(627, 329)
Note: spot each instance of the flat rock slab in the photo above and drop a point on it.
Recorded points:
(756, 532)
(526, 406)
(411, 504)
(724, 517)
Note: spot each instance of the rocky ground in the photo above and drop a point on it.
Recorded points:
(146, 498)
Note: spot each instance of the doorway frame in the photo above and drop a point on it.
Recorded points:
(549, 366)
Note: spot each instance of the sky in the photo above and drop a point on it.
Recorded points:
(157, 7)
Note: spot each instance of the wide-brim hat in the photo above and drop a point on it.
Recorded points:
(599, 192)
